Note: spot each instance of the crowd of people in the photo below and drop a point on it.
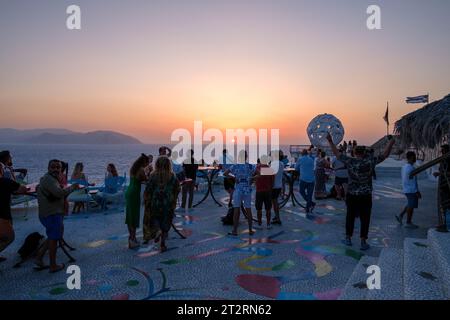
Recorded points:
(163, 181)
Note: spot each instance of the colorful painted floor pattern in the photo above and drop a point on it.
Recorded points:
(302, 259)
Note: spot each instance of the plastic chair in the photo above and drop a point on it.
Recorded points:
(113, 190)
(21, 199)
(81, 195)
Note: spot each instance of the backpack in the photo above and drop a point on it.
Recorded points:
(31, 244)
(228, 219)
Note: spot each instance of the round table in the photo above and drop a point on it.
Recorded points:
(210, 173)
(289, 174)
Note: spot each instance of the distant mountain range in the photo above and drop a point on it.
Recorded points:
(63, 136)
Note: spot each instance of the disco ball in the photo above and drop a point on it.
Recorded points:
(322, 124)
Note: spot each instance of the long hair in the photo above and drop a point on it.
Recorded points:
(113, 170)
(77, 170)
(163, 170)
(141, 162)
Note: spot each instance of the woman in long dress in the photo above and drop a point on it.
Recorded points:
(133, 198)
(160, 198)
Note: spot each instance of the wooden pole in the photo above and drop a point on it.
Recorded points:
(429, 165)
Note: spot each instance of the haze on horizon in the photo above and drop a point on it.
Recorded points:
(145, 68)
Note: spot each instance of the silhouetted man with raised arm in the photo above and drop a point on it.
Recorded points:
(359, 197)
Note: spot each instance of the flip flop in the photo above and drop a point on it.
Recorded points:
(60, 267)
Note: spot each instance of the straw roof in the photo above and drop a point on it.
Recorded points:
(427, 127)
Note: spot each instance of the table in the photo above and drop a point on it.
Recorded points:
(33, 186)
(291, 178)
(211, 172)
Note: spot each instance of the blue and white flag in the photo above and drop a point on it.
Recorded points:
(418, 99)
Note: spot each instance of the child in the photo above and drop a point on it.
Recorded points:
(264, 184)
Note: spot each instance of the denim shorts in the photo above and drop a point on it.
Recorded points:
(54, 226)
(245, 199)
(413, 200)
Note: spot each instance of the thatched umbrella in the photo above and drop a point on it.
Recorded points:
(426, 128)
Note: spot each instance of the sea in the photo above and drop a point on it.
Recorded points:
(95, 158)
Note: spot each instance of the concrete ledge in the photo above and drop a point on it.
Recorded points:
(440, 248)
(356, 288)
(421, 280)
(391, 265)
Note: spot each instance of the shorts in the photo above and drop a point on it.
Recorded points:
(228, 184)
(263, 197)
(340, 181)
(276, 193)
(412, 200)
(239, 198)
(54, 226)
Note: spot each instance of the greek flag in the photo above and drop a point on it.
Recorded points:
(418, 99)
(386, 115)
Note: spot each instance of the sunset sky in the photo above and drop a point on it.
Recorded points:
(147, 67)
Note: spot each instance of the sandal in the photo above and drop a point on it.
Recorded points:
(59, 268)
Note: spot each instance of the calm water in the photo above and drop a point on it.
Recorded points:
(94, 157)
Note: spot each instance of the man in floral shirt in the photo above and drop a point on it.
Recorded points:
(359, 196)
